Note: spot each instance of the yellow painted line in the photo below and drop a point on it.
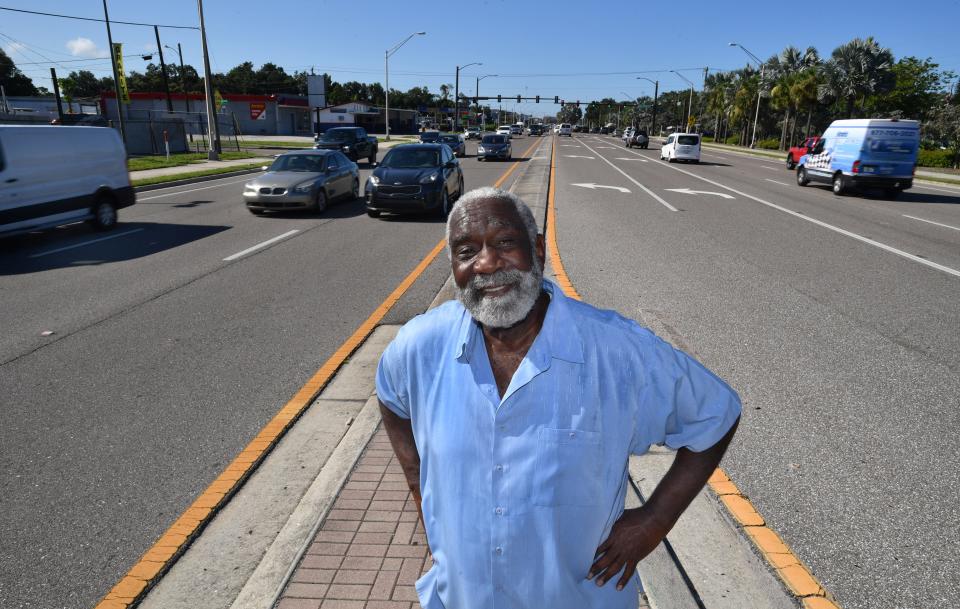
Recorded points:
(791, 570)
(164, 552)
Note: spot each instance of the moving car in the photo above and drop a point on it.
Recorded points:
(873, 153)
(505, 130)
(536, 129)
(415, 178)
(636, 137)
(564, 130)
(429, 137)
(456, 143)
(351, 141)
(471, 133)
(307, 179)
(495, 146)
(53, 175)
(804, 147)
(681, 147)
(516, 129)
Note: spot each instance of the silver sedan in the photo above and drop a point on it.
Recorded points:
(308, 179)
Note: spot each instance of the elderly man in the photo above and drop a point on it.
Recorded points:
(513, 412)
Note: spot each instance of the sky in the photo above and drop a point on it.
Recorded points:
(574, 50)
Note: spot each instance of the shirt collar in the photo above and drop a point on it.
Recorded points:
(559, 334)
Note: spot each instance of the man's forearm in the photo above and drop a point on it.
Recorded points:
(400, 432)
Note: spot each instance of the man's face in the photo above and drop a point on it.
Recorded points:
(497, 273)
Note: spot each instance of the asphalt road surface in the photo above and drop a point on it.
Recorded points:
(166, 360)
(836, 318)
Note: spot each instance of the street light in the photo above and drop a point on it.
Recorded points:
(656, 90)
(456, 95)
(183, 78)
(690, 103)
(477, 93)
(621, 108)
(756, 116)
(386, 76)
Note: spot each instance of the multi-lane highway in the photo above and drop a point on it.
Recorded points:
(134, 368)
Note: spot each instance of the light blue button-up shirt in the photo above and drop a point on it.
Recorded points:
(519, 492)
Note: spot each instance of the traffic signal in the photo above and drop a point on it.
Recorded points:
(563, 102)
(518, 99)
(556, 99)
(498, 99)
(474, 101)
(538, 99)
(578, 103)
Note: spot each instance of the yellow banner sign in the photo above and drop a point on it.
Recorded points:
(121, 79)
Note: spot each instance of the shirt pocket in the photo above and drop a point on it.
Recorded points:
(569, 468)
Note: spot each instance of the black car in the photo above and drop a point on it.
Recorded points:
(415, 178)
(429, 137)
(494, 146)
(536, 129)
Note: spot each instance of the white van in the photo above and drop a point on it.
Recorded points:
(52, 175)
(681, 147)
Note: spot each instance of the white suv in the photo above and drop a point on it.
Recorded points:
(565, 130)
(681, 147)
(504, 130)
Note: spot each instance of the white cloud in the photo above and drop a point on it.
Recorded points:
(85, 48)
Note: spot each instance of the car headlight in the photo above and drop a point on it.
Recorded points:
(304, 187)
(249, 187)
(373, 180)
(480, 149)
(430, 178)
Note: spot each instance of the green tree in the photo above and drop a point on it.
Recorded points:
(855, 71)
(83, 84)
(569, 114)
(13, 80)
(919, 87)
(944, 126)
(788, 68)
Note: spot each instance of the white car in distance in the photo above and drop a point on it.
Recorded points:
(504, 130)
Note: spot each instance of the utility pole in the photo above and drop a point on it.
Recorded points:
(386, 78)
(183, 78)
(213, 131)
(456, 95)
(116, 78)
(56, 92)
(163, 69)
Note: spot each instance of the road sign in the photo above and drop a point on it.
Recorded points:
(258, 111)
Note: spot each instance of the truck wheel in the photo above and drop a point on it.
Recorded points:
(790, 163)
(104, 213)
(802, 179)
(839, 184)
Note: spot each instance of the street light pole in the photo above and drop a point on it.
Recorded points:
(183, 78)
(386, 76)
(163, 69)
(756, 116)
(477, 93)
(456, 95)
(656, 90)
(689, 103)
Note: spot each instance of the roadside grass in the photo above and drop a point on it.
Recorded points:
(274, 144)
(193, 174)
(176, 160)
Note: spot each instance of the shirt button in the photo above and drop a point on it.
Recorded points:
(572, 434)
(499, 510)
(499, 467)
(499, 550)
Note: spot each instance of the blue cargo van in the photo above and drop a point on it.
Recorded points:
(872, 153)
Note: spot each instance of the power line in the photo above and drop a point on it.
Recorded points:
(94, 59)
(20, 10)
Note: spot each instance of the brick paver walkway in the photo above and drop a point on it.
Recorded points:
(371, 547)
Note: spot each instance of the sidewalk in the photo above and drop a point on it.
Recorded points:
(327, 521)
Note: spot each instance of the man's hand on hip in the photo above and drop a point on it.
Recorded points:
(634, 535)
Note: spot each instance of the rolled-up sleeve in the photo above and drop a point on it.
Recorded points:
(392, 385)
(682, 404)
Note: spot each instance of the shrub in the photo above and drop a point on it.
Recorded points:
(935, 158)
(733, 140)
(771, 143)
(707, 138)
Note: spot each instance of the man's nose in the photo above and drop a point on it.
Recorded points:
(487, 261)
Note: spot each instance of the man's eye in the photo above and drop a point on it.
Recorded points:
(465, 254)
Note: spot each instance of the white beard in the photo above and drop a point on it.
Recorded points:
(508, 309)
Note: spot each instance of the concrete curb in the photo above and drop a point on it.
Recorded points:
(184, 182)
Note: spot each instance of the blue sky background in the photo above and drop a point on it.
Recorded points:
(575, 50)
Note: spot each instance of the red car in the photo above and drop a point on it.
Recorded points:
(793, 156)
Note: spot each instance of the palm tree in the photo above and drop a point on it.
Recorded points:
(857, 69)
(788, 67)
(804, 93)
(719, 96)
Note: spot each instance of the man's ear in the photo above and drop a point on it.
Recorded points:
(541, 250)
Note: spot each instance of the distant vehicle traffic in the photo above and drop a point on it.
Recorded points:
(303, 180)
(415, 178)
(456, 143)
(681, 147)
(496, 146)
(535, 129)
(505, 130)
(351, 141)
(564, 130)
(471, 133)
(516, 129)
(429, 137)
(805, 147)
(871, 153)
(54, 175)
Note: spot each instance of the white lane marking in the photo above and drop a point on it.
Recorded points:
(777, 182)
(953, 192)
(931, 222)
(570, 145)
(688, 191)
(183, 192)
(607, 147)
(770, 168)
(593, 186)
(260, 245)
(626, 175)
(623, 158)
(836, 229)
(577, 156)
(76, 245)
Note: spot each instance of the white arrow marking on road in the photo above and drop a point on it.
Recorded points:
(593, 186)
(607, 147)
(687, 191)
(623, 158)
(577, 156)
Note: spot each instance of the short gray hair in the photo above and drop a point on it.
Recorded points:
(490, 193)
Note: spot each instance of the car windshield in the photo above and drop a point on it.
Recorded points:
(429, 137)
(449, 139)
(493, 139)
(688, 140)
(412, 158)
(298, 162)
(336, 135)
